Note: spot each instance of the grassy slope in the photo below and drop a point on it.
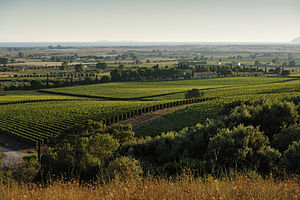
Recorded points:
(186, 187)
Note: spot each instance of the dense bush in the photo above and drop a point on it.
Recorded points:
(25, 171)
(125, 168)
(238, 140)
(271, 116)
(241, 147)
(291, 158)
(261, 137)
(287, 136)
(82, 152)
(194, 93)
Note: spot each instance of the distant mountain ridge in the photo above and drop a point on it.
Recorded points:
(296, 41)
(126, 43)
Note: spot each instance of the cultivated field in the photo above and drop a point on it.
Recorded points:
(41, 120)
(146, 89)
(35, 115)
(238, 139)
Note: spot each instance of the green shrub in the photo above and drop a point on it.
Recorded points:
(27, 170)
(192, 142)
(125, 168)
(154, 150)
(123, 133)
(287, 135)
(240, 148)
(81, 152)
(82, 158)
(194, 93)
(270, 115)
(291, 158)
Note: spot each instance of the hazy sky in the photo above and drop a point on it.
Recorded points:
(149, 20)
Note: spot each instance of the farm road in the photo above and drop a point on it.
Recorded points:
(10, 156)
(139, 120)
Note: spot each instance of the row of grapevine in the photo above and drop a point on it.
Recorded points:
(127, 90)
(198, 113)
(44, 100)
(43, 120)
(140, 111)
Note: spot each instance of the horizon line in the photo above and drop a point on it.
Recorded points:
(134, 41)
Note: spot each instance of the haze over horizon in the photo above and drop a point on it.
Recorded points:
(149, 21)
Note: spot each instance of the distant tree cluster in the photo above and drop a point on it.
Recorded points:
(54, 80)
(61, 58)
(21, 54)
(280, 71)
(101, 65)
(79, 67)
(227, 70)
(63, 66)
(3, 60)
(127, 56)
(147, 73)
(1, 89)
(194, 93)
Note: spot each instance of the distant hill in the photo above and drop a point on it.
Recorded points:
(123, 43)
(296, 41)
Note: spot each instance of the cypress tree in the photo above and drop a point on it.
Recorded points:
(1, 89)
(47, 80)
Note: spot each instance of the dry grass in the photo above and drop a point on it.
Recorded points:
(153, 188)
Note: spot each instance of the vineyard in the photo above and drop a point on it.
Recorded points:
(199, 112)
(23, 96)
(196, 113)
(292, 86)
(148, 89)
(42, 120)
(34, 116)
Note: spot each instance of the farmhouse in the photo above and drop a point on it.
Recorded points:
(204, 74)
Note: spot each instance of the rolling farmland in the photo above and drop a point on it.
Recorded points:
(147, 89)
(34, 121)
(19, 97)
(149, 100)
(196, 113)
(34, 115)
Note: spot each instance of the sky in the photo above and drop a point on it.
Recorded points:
(149, 20)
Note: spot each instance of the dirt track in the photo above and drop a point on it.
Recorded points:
(139, 120)
(11, 156)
